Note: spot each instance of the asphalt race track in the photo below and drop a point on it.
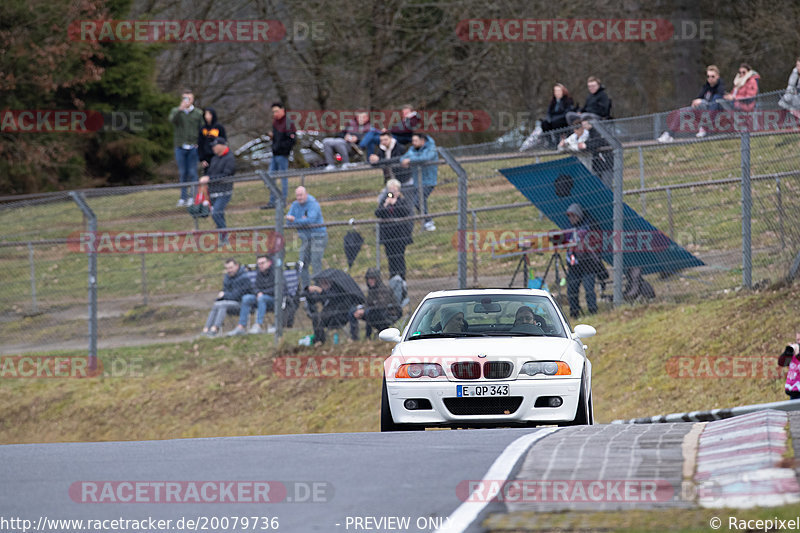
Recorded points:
(326, 482)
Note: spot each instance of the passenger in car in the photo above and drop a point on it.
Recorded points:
(452, 321)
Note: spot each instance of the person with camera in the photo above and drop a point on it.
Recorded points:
(582, 263)
(187, 121)
(395, 233)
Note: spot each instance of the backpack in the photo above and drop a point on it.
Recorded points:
(400, 289)
(202, 205)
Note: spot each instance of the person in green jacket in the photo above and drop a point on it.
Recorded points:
(187, 121)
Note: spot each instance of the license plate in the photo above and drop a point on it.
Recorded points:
(470, 391)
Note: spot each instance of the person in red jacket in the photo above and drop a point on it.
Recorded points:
(745, 90)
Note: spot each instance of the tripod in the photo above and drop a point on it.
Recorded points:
(555, 261)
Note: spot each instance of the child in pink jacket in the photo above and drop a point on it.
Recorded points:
(791, 358)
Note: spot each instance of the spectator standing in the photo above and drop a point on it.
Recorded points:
(582, 263)
(423, 150)
(263, 299)
(305, 212)
(791, 98)
(387, 156)
(409, 122)
(220, 190)
(395, 234)
(602, 155)
(235, 285)
(186, 120)
(380, 310)
(211, 130)
(283, 138)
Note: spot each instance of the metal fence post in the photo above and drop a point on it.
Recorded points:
(378, 246)
(279, 255)
(779, 201)
(747, 205)
(34, 305)
(641, 182)
(474, 248)
(144, 281)
(618, 208)
(91, 218)
(462, 215)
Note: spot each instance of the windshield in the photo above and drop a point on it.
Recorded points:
(482, 315)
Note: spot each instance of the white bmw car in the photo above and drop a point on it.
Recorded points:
(484, 358)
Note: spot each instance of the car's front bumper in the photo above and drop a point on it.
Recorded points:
(529, 390)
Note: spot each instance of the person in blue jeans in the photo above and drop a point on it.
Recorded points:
(423, 150)
(263, 299)
(304, 212)
(187, 121)
(583, 263)
(283, 138)
(220, 190)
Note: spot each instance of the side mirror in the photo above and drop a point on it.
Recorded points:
(583, 331)
(390, 335)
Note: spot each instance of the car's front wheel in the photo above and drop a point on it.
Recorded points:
(387, 422)
(583, 416)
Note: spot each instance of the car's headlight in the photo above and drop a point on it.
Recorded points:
(417, 370)
(548, 368)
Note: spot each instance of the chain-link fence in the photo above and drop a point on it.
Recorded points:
(162, 285)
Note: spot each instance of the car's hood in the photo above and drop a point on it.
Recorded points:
(531, 348)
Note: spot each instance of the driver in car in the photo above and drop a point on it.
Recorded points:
(526, 320)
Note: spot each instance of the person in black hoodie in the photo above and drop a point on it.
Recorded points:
(235, 285)
(210, 130)
(222, 166)
(395, 234)
(283, 137)
(380, 310)
(598, 104)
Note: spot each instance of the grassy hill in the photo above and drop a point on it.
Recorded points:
(221, 387)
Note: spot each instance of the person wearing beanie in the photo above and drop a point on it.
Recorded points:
(582, 263)
(452, 320)
(220, 188)
(380, 310)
